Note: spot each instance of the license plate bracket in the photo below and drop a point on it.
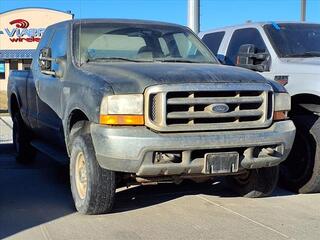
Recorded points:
(221, 162)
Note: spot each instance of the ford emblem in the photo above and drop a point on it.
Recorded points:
(220, 108)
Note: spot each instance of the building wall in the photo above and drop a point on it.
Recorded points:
(22, 29)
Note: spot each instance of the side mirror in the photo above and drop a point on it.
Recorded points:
(249, 57)
(44, 59)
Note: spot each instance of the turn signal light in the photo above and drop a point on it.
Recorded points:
(122, 119)
(280, 115)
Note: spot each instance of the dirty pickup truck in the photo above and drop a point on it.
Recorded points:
(287, 52)
(132, 102)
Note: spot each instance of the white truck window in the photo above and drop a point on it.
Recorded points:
(240, 37)
(213, 41)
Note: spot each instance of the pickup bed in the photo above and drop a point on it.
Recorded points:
(130, 102)
(287, 52)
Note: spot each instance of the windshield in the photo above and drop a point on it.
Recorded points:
(295, 40)
(137, 43)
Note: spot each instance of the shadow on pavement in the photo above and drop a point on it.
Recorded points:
(38, 193)
(31, 195)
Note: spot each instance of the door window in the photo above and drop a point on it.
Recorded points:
(213, 41)
(240, 37)
(58, 45)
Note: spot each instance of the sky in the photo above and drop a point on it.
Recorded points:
(214, 13)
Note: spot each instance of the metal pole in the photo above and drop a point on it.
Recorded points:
(194, 15)
(303, 10)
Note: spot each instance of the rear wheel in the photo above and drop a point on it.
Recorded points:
(25, 153)
(255, 183)
(93, 188)
(300, 172)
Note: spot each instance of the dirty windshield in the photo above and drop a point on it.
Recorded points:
(295, 40)
(137, 43)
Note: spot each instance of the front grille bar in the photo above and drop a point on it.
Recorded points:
(188, 115)
(210, 100)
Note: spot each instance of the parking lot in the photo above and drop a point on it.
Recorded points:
(36, 203)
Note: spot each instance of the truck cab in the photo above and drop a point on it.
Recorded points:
(289, 53)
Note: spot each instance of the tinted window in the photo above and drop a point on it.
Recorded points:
(295, 40)
(213, 41)
(240, 37)
(58, 45)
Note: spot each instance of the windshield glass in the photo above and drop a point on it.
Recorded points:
(295, 40)
(137, 43)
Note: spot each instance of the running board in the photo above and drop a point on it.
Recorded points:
(50, 151)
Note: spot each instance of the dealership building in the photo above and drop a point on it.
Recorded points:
(20, 33)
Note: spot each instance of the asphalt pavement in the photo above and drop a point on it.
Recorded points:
(36, 203)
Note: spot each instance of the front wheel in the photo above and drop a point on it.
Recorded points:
(93, 188)
(255, 183)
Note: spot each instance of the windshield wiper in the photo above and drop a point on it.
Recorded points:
(305, 54)
(101, 59)
(175, 60)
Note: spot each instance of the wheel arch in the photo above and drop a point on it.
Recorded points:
(301, 104)
(76, 115)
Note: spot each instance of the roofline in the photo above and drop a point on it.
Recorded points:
(252, 24)
(51, 9)
(118, 20)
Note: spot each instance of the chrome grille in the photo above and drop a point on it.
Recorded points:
(191, 107)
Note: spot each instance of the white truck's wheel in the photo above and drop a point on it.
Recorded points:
(255, 183)
(301, 170)
(93, 188)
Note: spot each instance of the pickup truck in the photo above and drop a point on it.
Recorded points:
(135, 102)
(289, 53)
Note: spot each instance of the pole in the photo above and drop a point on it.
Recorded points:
(194, 15)
(303, 10)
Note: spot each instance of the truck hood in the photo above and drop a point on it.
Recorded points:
(135, 77)
(302, 65)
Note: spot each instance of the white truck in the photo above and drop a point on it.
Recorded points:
(289, 53)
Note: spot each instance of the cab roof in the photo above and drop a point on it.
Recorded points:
(117, 21)
(251, 24)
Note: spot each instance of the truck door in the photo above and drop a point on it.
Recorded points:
(49, 92)
(32, 96)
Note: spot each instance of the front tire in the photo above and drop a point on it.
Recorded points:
(25, 153)
(93, 188)
(255, 183)
(300, 172)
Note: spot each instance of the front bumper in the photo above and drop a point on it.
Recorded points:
(133, 149)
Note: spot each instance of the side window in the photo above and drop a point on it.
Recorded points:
(184, 46)
(164, 46)
(213, 41)
(43, 43)
(240, 37)
(58, 45)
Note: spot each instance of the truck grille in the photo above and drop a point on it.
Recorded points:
(200, 107)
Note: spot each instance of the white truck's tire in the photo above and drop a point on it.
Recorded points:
(256, 183)
(301, 170)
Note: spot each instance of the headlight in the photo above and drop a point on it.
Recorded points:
(122, 110)
(282, 105)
